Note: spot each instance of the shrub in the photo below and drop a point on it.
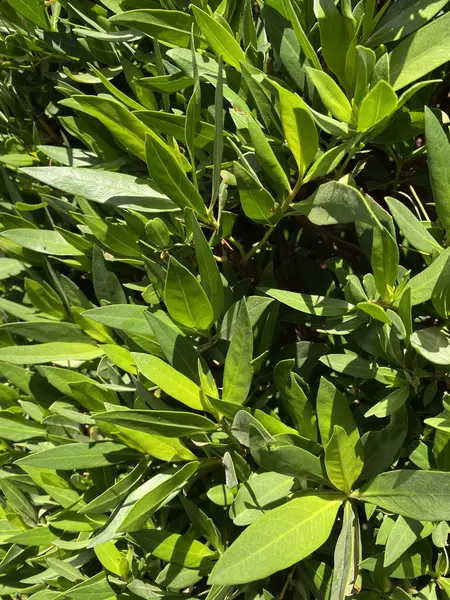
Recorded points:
(225, 282)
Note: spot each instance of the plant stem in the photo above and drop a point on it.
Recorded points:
(259, 245)
(287, 583)
(291, 196)
(356, 148)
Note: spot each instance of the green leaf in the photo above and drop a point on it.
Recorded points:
(327, 162)
(382, 447)
(43, 241)
(335, 202)
(116, 237)
(438, 154)
(47, 331)
(375, 311)
(365, 64)
(155, 497)
(112, 559)
(420, 53)
(379, 103)
(32, 10)
(298, 128)
(129, 318)
(266, 156)
(218, 132)
(168, 84)
(302, 525)
(385, 260)
(9, 267)
(18, 501)
(431, 281)
(433, 344)
(174, 548)
(219, 39)
(180, 353)
(331, 95)
(118, 491)
(350, 364)
(157, 233)
(185, 298)
(238, 371)
(295, 399)
(124, 126)
(164, 168)
(42, 296)
(420, 495)
(332, 410)
(220, 495)
(106, 283)
(311, 305)
(288, 9)
(397, 24)
(170, 381)
(275, 455)
(347, 555)
(166, 423)
(410, 226)
(171, 26)
(210, 278)
(390, 404)
(94, 588)
(17, 429)
(259, 495)
(341, 461)
(403, 535)
(105, 187)
(257, 202)
(78, 455)
(333, 37)
(39, 536)
(36, 354)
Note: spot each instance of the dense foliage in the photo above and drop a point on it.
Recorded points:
(225, 290)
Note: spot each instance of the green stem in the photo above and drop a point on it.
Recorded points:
(258, 246)
(292, 195)
(238, 245)
(350, 156)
